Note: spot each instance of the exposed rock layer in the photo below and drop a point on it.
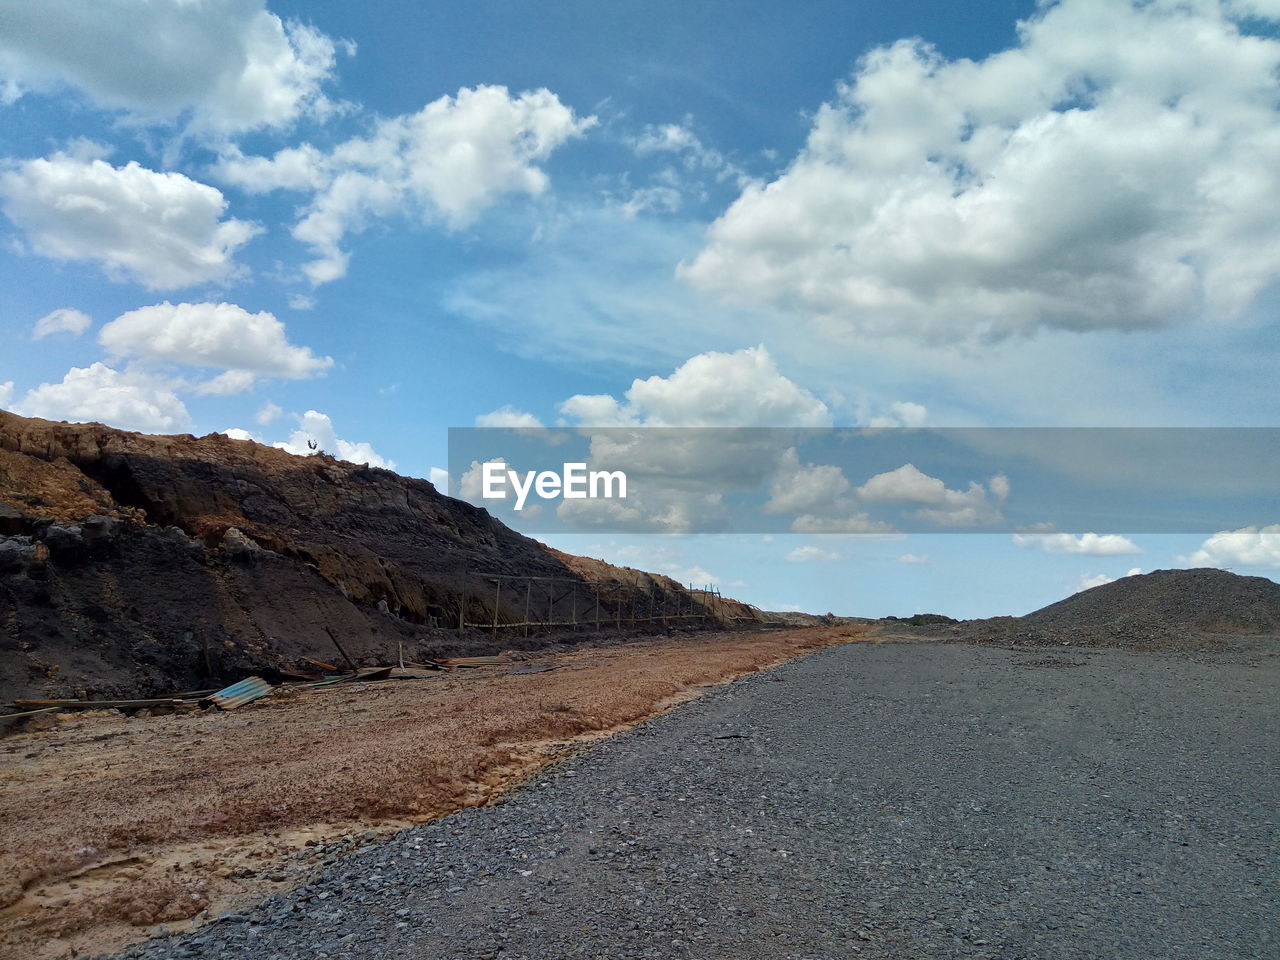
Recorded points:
(136, 564)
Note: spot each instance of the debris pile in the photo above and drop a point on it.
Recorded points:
(245, 691)
(1165, 609)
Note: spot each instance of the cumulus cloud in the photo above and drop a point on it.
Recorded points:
(269, 413)
(163, 230)
(439, 478)
(450, 161)
(508, 416)
(471, 484)
(809, 553)
(676, 509)
(1091, 544)
(228, 65)
(6, 393)
(806, 488)
(63, 320)
(902, 413)
(126, 399)
(1089, 581)
(819, 495)
(245, 345)
(741, 389)
(694, 466)
(317, 428)
(907, 484)
(1246, 547)
(1113, 170)
(914, 559)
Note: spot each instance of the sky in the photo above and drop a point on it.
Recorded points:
(362, 225)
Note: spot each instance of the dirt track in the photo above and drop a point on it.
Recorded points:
(113, 825)
(881, 801)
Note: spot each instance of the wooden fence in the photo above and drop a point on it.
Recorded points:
(513, 602)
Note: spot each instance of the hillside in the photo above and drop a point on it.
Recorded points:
(1158, 609)
(133, 564)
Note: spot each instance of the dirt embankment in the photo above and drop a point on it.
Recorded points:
(1165, 609)
(135, 565)
(115, 824)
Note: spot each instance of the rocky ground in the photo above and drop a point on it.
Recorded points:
(1185, 610)
(890, 801)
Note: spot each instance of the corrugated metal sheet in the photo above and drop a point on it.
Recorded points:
(471, 661)
(238, 694)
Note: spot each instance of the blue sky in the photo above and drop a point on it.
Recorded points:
(367, 224)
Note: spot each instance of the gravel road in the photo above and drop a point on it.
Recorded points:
(902, 801)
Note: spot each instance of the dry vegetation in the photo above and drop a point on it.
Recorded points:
(113, 825)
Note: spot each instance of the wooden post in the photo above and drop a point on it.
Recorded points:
(204, 647)
(350, 663)
(497, 596)
(462, 602)
(528, 593)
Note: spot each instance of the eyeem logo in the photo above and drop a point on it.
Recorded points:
(573, 482)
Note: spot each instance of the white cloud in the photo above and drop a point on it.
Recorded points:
(63, 320)
(693, 467)
(471, 485)
(162, 229)
(810, 553)
(6, 393)
(695, 575)
(688, 164)
(315, 427)
(300, 301)
(809, 488)
(236, 433)
(741, 389)
(1248, 547)
(230, 65)
(914, 559)
(508, 416)
(939, 505)
(1088, 581)
(439, 478)
(269, 413)
(676, 509)
(1092, 544)
(126, 399)
(902, 413)
(224, 335)
(1115, 169)
(854, 522)
(450, 161)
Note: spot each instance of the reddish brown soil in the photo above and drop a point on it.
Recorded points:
(113, 825)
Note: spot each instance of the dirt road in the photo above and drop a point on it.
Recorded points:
(114, 825)
(891, 801)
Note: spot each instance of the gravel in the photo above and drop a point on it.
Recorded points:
(901, 801)
(1184, 610)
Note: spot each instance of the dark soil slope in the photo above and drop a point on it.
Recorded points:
(123, 557)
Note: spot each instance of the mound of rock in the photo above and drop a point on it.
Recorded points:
(1158, 609)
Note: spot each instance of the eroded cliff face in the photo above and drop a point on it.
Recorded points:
(133, 564)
